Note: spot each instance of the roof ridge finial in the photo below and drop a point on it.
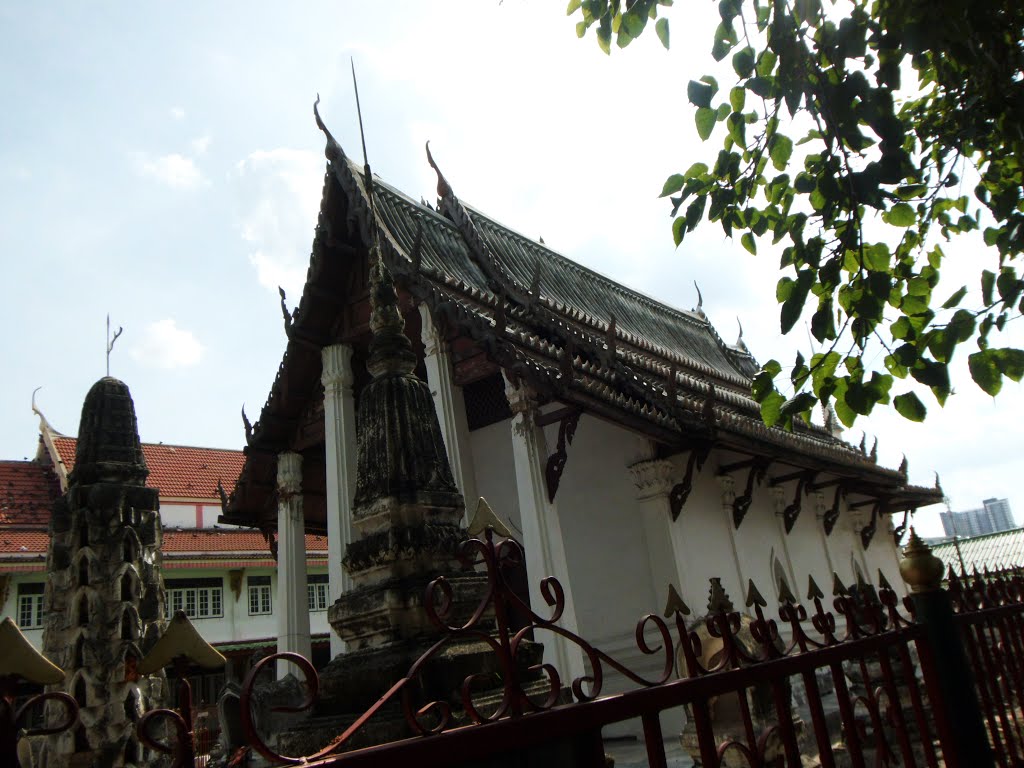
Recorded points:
(444, 189)
(739, 339)
(700, 301)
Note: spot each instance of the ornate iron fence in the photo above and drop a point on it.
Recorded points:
(864, 697)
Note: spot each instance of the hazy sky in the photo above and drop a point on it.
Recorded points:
(160, 162)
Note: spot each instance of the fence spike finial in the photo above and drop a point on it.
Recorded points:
(813, 590)
(754, 596)
(883, 582)
(786, 594)
(675, 603)
(838, 588)
(718, 598)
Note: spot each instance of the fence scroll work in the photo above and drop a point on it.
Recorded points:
(863, 678)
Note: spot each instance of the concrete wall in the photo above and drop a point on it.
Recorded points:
(236, 625)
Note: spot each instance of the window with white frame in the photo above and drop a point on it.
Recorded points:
(259, 595)
(316, 587)
(30, 605)
(198, 598)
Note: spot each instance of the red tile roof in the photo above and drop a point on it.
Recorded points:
(215, 541)
(27, 492)
(24, 542)
(178, 471)
(227, 540)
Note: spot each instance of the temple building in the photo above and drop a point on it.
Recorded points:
(616, 435)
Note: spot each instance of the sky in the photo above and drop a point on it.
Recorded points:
(160, 163)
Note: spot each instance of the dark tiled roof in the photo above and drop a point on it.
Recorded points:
(178, 471)
(27, 492)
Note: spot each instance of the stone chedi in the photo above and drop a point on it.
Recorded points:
(407, 527)
(104, 594)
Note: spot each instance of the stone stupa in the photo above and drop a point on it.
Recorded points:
(104, 593)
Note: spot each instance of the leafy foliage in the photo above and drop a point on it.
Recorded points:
(866, 182)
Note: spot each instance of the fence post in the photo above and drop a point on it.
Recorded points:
(947, 673)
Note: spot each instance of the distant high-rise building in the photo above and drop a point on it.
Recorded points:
(993, 517)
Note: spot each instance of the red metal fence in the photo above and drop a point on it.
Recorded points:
(934, 679)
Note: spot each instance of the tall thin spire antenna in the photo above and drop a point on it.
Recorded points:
(367, 178)
(110, 341)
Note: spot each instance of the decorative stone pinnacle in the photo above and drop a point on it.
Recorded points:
(919, 567)
(108, 447)
(390, 350)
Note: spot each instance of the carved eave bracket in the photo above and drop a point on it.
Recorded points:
(756, 468)
(568, 419)
(791, 511)
(681, 491)
(898, 531)
(867, 532)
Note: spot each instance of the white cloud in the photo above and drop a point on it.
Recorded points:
(200, 145)
(177, 113)
(163, 345)
(279, 195)
(174, 170)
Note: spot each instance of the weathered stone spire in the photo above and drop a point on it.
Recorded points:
(401, 451)
(108, 437)
(104, 594)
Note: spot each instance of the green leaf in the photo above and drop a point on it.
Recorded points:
(661, 27)
(985, 371)
(673, 184)
(771, 408)
(780, 149)
(699, 94)
(909, 406)
(956, 298)
(988, 287)
(697, 169)
(743, 62)
(574, 6)
(900, 215)
(747, 241)
(705, 120)
(737, 98)
(1010, 362)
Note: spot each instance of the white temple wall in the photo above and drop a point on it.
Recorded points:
(602, 531)
(807, 548)
(175, 514)
(884, 555)
(493, 473)
(703, 539)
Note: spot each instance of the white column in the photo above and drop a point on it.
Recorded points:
(653, 481)
(292, 607)
(542, 531)
(450, 407)
(340, 445)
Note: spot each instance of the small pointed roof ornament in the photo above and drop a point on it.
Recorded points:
(904, 466)
(180, 639)
(444, 189)
(740, 344)
(18, 657)
(700, 302)
(874, 451)
(485, 518)
(675, 603)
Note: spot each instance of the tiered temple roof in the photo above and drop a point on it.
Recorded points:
(509, 303)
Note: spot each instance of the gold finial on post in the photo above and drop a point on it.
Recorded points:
(920, 569)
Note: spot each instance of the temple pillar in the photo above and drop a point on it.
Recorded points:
(653, 481)
(449, 405)
(542, 530)
(340, 447)
(292, 602)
